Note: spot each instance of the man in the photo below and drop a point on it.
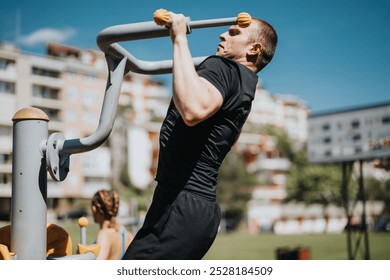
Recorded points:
(209, 107)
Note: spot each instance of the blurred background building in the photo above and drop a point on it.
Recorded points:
(68, 84)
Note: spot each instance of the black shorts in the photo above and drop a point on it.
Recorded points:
(179, 225)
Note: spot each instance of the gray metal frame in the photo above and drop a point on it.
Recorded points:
(29, 186)
(357, 239)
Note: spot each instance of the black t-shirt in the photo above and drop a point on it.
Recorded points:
(190, 157)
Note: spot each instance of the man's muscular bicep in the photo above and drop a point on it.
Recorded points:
(198, 105)
(215, 98)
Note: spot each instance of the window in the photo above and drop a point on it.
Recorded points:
(355, 124)
(326, 127)
(71, 94)
(71, 74)
(53, 114)
(5, 131)
(386, 120)
(4, 63)
(5, 178)
(7, 87)
(5, 158)
(70, 116)
(45, 92)
(90, 77)
(45, 72)
(90, 118)
(356, 137)
(90, 98)
(327, 140)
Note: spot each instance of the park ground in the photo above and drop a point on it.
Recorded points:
(243, 246)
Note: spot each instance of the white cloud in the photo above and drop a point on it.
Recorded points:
(44, 35)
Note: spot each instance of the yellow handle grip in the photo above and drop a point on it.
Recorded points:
(244, 19)
(161, 17)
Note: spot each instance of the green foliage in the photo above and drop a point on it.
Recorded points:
(314, 183)
(127, 190)
(379, 190)
(322, 183)
(284, 144)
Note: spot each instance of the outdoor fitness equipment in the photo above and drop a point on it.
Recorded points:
(34, 153)
(108, 38)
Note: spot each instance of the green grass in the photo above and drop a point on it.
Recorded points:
(238, 246)
(241, 246)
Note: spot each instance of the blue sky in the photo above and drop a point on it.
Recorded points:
(332, 54)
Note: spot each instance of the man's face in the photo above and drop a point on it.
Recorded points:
(234, 43)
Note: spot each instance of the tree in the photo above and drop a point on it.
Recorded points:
(379, 190)
(314, 183)
(284, 143)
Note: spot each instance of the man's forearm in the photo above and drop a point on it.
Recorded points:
(188, 90)
(195, 98)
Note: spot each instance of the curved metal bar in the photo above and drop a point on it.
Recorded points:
(107, 115)
(145, 67)
(58, 150)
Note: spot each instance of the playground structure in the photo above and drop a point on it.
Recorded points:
(29, 237)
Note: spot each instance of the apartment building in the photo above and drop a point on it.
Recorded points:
(284, 112)
(68, 84)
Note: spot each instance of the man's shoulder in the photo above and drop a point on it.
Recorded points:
(219, 64)
(219, 59)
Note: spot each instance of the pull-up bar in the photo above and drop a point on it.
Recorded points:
(108, 38)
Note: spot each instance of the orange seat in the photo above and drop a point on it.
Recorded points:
(5, 242)
(58, 242)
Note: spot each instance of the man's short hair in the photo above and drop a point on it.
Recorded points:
(266, 35)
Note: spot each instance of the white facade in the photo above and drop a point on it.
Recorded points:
(69, 86)
(356, 134)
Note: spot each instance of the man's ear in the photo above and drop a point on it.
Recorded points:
(256, 49)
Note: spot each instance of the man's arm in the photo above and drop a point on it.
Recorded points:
(195, 98)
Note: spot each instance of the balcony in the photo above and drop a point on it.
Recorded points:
(280, 164)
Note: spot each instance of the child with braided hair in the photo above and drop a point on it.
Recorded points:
(113, 238)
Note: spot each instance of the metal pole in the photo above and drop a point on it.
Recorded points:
(364, 221)
(83, 223)
(29, 185)
(344, 187)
